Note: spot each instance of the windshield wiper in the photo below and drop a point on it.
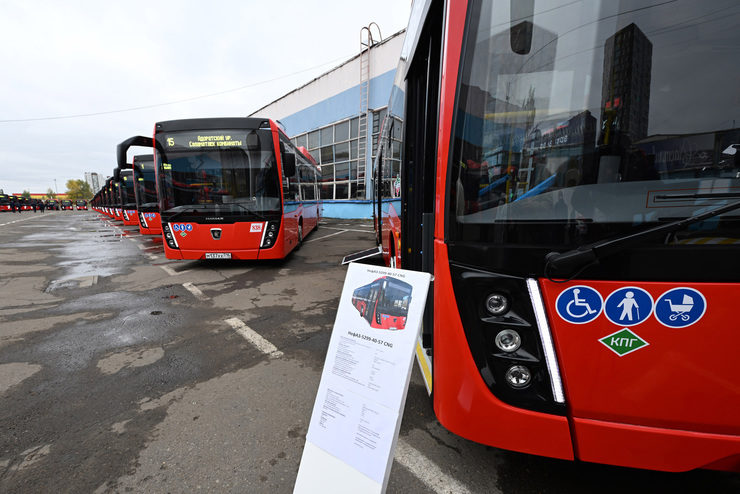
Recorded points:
(248, 210)
(181, 212)
(585, 255)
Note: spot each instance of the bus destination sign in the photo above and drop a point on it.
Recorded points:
(201, 140)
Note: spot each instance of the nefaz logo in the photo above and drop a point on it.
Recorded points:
(182, 227)
(255, 227)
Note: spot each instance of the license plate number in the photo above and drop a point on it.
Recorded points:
(218, 255)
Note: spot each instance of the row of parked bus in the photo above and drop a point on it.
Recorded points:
(15, 203)
(570, 176)
(217, 188)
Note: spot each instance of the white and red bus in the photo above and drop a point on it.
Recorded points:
(384, 303)
(570, 177)
(145, 184)
(127, 197)
(233, 188)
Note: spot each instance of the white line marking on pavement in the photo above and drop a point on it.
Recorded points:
(346, 229)
(426, 470)
(195, 291)
(172, 272)
(254, 338)
(325, 236)
(169, 270)
(27, 218)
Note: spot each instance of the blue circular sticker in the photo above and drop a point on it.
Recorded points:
(680, 307)
(176, 227)
(189, 227)
(579, 304)
(628, 306)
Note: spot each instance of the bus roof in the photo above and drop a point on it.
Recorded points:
(212, 123)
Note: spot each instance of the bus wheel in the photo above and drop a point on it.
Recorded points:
(392, 262)
(300, 233)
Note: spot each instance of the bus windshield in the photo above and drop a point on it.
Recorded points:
(581, 120)
(144, 181)
(127, 189)
(232, 172)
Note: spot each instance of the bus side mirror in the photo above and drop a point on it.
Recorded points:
(289, 164)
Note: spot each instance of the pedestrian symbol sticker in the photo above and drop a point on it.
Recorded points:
(579, 304)
(680, 307)
(623, 342)
(628, 306)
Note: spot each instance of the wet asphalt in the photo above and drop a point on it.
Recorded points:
(114, 377)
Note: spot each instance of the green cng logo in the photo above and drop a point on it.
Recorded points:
(623, 342)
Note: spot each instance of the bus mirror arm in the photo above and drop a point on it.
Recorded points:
(576, 260)
(122, 148)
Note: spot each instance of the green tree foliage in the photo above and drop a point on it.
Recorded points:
(78, 189)
(26, 194)
(50, 193)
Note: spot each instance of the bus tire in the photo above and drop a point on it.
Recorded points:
(300, 232)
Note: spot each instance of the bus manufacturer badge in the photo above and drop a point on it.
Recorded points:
(680, 307)
(579, 304)
(623, 342)
(628, 306)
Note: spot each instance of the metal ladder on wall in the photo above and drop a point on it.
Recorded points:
(366, 42)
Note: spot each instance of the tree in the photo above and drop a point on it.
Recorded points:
(26, 194)
(78, 189)
(50, 193)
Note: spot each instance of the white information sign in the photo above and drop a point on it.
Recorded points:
(360, 401)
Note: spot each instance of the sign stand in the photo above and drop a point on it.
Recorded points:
(359, 405)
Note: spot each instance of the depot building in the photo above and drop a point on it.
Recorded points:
(337, 117)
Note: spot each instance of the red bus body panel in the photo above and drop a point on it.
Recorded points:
(133, 218)
(462, 401)
(154, 224)
(673, 402)
(242, 240)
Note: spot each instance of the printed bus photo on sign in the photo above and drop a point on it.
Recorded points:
(384, 303)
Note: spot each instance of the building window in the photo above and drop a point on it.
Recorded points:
(336, 148)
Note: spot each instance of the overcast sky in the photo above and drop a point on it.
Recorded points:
(137, 62)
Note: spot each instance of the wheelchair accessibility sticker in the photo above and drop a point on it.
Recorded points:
(579, 304)
(680, 307)
(628, 306)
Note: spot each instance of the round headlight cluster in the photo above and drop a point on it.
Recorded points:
(497, 304)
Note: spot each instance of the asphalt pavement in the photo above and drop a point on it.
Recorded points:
(122, 371)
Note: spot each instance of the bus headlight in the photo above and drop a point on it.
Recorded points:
(508, 340)
(497, 304)
(270, 234)
(518, 376)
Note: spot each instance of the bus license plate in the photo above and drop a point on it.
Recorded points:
(218, 255)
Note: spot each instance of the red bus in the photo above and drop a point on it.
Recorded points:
(233, 188)
(384, 303)
(145, 184)
(126, 197)
(5, 203)
(81, 205)
(570, 177)
(67, 205)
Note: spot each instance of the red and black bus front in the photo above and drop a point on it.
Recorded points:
(220, 189)
(129, 215)
(145, 186)
(81, 205)
(587, 228)
(67, 205)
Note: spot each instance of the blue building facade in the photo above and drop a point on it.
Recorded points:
(324, 116)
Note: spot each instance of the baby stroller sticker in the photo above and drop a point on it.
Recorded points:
(680, 307)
